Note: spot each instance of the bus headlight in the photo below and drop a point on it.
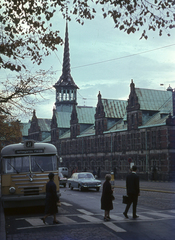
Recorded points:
(12, 190)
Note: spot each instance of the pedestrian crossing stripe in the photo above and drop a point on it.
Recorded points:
(142, 217)
(162, 215)
(66, 204)
(114, 227)
(66, 220)
(85, 212)
(34, 221)
(91, 218)
(116, 217)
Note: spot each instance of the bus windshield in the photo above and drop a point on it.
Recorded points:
(15, 164)
(22, 164)
(43, 163)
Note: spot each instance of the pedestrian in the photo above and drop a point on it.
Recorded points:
(95, 173)
(107, 197)
(133, 191)
(115, 172)
(98, 173)
(51, 199)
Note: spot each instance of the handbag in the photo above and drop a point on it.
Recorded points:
(125, 199)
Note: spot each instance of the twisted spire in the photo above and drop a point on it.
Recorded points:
(66, 58)
(66, 78)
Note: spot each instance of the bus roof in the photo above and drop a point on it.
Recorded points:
(29, 147)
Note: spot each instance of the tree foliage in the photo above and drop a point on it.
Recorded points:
(9, 132)
(18, 97)
(26, 32)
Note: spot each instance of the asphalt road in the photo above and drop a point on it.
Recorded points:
(80, 218)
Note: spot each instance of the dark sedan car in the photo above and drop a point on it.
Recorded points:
(83, 180)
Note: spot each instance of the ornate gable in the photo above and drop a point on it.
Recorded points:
(54, 128)
(134, 115)
(74, 118)
(34, 131)
(100, 120)
(74, 125)
(100, 108)
(133, 103)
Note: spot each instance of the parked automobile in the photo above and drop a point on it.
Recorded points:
(83, 180)
(63, 180)
(64, 171)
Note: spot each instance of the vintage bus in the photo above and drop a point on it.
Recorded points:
(24, 173)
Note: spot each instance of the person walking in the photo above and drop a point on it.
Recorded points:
(51, 199)
(133, 191)
(107, 197)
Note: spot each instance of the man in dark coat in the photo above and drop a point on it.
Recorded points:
(51, 199)
(133, 191)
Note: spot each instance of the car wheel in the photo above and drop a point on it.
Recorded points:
(97, 189)
(71, 187)
(64, 185)
(80, 188)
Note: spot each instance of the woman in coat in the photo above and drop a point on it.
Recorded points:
(51, 199)
(106, 198)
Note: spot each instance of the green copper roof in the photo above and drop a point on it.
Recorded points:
(114, 108)
(63, 119)
(86, 114)
(153, 100)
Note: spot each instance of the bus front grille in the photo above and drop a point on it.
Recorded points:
(31, 191)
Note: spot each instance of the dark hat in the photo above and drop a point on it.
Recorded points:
(51, 175)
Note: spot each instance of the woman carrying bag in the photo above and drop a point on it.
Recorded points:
(107, 197)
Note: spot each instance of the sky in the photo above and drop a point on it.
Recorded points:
(105, 59)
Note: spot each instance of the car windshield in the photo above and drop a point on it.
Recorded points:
(85, 175)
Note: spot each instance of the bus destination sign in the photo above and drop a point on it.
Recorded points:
(29, 151)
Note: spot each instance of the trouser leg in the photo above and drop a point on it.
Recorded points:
(128, 205)
(134, 205)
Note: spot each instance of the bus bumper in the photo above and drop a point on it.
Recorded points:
(12, 201)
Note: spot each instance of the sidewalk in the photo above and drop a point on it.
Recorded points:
(153, 186)
(167, 187)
